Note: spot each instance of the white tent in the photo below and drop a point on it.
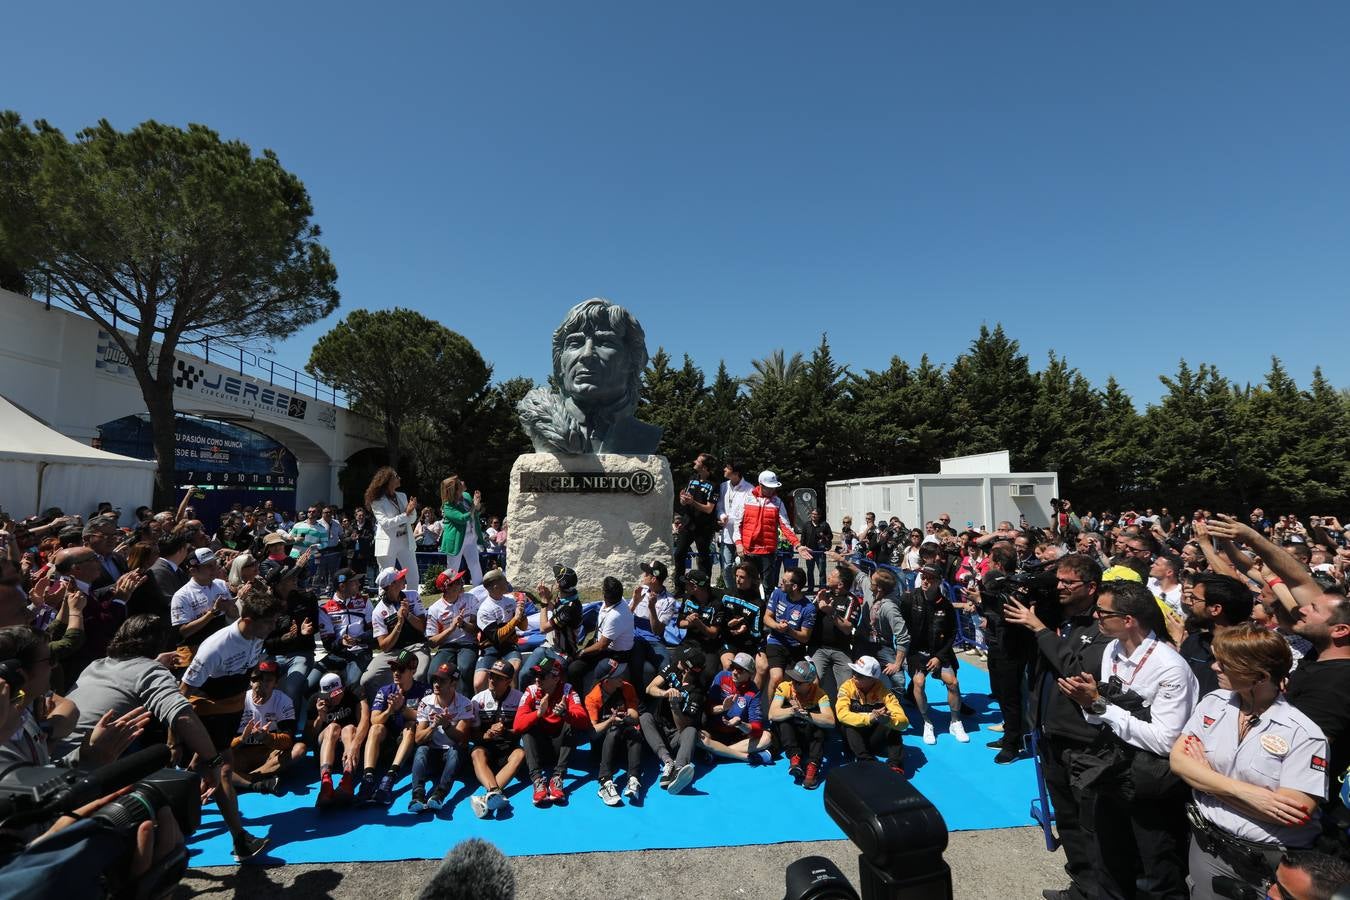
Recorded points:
(41, 468)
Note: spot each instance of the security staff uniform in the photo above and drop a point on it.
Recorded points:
(1282, 749)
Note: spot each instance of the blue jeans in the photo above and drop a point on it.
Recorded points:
(425, 761)
(295, 683)
(886, 656)
(728, 554)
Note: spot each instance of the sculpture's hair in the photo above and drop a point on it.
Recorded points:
(549, 413)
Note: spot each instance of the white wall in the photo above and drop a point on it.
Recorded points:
(980, 498)
(963, 498)
(49, 368)
(998, 462)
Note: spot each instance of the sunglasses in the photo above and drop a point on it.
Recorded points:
(1108, 613)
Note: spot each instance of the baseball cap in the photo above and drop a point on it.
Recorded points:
(566, 578)
(804, 671)
(697, 577)
(744, 661)
(494, 576)
(275, 537)
(406, 659)
(610, 668)
(692, 656)
(769, 480)
(867, 666)
(388, 576)
(656, 569)
(549, 665)
(445, 670)
(266, 667)
(330, 684)
(203, 556)
(502, 669)
(445, 579)
(342, 576)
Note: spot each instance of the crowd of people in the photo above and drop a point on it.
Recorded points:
(1181, 680)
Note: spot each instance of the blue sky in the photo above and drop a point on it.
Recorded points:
(1126, 184)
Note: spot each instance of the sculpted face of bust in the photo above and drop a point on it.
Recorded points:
(593, 363)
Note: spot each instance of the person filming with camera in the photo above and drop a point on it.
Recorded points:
(1144, 693)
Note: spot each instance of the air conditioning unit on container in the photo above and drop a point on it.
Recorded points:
(1021, 490)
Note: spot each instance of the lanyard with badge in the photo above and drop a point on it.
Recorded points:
(1115, 681)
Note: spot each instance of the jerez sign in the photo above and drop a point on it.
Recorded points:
(587, 482)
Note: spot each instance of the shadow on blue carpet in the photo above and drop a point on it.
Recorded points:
(729, 804)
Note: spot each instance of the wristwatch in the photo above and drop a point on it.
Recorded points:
(1098, 706)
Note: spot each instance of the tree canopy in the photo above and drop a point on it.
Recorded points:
(162, 235)
(402, 369)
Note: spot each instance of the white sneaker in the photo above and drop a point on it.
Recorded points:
(496, 800)
(958, 731)
(480, 805)
(929, 735)
(609, 794)
(633, 789)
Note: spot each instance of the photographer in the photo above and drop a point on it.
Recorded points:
(1144, 693)
(1010, 649)
(674, 723)
(1072, 646)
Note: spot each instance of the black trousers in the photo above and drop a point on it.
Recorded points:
(1141, 844)
(547, 754)
(1007, 673)
(683, 541)
(876, 741)
(1079, 852)
(795, 734)
(615, 738)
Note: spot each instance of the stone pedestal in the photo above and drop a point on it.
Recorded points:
(601, 514)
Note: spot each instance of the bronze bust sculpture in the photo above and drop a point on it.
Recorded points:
(599, 352)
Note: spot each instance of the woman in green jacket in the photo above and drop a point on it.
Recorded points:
(462, 527)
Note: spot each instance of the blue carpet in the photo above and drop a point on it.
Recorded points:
(729, 804)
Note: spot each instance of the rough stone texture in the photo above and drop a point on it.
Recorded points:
(597, 534)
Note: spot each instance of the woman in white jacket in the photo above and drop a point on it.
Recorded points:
(395, 514)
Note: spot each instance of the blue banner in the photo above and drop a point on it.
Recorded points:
(208, 452)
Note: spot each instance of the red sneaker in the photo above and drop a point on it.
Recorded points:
(812, 779)
(347, 789)
(540, 792)
(795, 767)
(555, 790)
(899, 770)
(326, 793)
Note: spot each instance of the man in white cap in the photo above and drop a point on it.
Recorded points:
(398, 623)
(204, 605)
(757, 525)
(870, 715)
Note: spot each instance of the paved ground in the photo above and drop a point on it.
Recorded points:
(986, 865)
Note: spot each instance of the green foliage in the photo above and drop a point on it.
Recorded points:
(405, 371)
(162, 235)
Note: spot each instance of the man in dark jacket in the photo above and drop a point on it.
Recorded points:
(819, 537)
(1074, 646)
(169, 572)
(931, 621)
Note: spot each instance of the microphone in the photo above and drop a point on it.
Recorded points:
(473, 870)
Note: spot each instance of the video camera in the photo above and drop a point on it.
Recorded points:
(900, 834)
(33, 795)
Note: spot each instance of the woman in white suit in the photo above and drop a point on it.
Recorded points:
(395, 514)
